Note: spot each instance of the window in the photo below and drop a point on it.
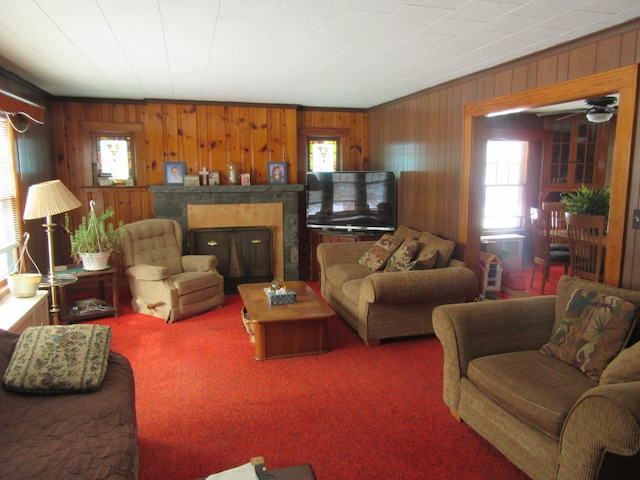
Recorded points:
(10, 232)
(504, 185)
(323, 154)
(114, 159)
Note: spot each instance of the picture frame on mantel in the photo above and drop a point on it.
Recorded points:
(174, 173)
(191, 180)
(277, 173)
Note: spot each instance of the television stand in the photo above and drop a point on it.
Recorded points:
(335, 236)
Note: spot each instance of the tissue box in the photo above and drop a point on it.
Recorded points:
(282, 298)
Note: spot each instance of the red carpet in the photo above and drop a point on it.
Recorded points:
(551, 285)
(205, 405)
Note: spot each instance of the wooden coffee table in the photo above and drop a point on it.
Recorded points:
(287, 330)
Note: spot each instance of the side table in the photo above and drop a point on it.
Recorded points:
(68, 314)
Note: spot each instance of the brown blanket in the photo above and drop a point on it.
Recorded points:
(69, 436)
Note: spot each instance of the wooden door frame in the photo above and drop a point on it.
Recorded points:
(303, 133)
(621, 80)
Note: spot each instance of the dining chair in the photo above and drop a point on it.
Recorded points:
(586, 245)
(558, 223)
(542, 253)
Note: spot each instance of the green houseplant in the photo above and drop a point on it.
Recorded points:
(94, 238)
(588, 201)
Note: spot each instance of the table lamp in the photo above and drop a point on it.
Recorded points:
(43, 201)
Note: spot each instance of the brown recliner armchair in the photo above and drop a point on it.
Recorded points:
(163, 282)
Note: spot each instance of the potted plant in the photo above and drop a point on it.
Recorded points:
(93, 239)
(588, 201)
(20, 282)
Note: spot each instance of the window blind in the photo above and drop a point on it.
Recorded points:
(10, 232)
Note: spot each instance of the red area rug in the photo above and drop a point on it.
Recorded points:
(205, 405)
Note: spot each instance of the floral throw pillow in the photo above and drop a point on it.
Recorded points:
(594, 330)
(402, 257)
(59, 359)
(376, 257)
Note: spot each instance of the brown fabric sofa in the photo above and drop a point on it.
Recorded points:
(381, 305)
(546, 416)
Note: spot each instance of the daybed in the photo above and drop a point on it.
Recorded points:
(69, 435)
(389, 304)
(541, 378)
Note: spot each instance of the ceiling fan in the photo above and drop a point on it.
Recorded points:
(599, 109)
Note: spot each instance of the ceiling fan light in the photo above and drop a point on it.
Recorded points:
(599, 117)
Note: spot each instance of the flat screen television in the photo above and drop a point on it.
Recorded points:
(351, 201)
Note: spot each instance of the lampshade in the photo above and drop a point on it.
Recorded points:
(599, 116)
(49, 198)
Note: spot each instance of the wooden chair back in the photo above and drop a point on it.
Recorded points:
(542, 253)
(540, 221)
(558, 214)
(586, 245)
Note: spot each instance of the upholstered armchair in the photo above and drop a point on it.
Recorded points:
(547, 380)
(163, 282)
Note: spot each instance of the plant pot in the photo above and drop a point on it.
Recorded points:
(24, 285)
(95, 261)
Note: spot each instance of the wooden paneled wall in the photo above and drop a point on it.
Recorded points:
(357, 158)
(201, 135)
(420, 137)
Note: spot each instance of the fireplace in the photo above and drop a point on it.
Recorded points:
(245, 254)
(216, 206)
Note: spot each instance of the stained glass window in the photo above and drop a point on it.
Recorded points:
(114, 156)
(323, 154)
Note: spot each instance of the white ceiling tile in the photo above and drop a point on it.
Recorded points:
(482, 11)
(420, 15)
(609, 7)
(341, 53)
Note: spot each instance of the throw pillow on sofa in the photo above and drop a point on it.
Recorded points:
(401, 258)
(376, 257)
(444, 247)
(594, 330)
(424, 261)
(406, 232)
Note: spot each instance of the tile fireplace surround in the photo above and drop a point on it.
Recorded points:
(237, 206)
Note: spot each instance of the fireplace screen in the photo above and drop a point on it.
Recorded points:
(244, 254)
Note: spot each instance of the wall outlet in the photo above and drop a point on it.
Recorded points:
(636, 218)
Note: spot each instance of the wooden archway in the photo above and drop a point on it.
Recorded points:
(622, 80)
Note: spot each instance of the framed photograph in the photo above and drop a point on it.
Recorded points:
(214, 178)
(174, 173)
(192, 180)
(245, 179)
(277, 173)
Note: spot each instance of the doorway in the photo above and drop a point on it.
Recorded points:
(623, 81)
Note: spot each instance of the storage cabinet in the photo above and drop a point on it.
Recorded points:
(576, 156)
(245, 255)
